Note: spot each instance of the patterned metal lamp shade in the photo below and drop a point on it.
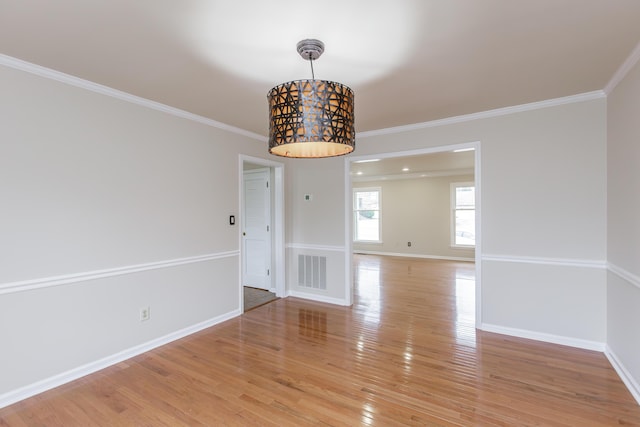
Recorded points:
(311, 119)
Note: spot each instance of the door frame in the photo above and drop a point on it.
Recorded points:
(277, 220)
(348, 197)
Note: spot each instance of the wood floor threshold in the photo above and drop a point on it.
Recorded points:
(261, 304)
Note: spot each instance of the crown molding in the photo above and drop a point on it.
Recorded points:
(588, 96)
(624, 69)
(48, 73)
(58, 76)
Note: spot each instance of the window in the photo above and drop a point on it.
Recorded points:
(463, 214)
(366, 214)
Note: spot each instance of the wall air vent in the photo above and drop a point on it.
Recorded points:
(312, 271)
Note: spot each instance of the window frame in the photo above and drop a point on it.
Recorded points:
(355, 212)
(453, 209)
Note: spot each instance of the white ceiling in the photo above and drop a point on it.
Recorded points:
(408, 61)
(446, 163)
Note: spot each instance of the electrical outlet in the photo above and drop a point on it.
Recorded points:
(145, 314)
(409, 244)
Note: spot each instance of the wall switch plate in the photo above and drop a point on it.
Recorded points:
(145, 314)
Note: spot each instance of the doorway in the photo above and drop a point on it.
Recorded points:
(261, 232)
(399, 160)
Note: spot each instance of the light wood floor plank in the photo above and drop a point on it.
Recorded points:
(406, 353)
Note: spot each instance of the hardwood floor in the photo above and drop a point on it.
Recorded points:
(406, 353)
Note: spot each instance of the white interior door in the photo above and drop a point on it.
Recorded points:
(256, 233)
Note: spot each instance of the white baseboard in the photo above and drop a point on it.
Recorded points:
(540, 336)
(623, 373)
(30, 390)
(317, 298)
(399, 254)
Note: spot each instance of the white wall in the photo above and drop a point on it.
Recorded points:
(316, 227)
(543, 210)
(107, 207)
(623, 226)
(416, 211)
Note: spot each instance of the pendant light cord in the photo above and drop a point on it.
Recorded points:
(313, 76)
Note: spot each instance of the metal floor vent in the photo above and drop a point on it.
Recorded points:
(312, 271)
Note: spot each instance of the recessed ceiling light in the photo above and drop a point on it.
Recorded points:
(367, 161)
(359, 173)
(405, 169)
(463, 149)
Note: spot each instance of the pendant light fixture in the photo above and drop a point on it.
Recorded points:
(311, 118)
